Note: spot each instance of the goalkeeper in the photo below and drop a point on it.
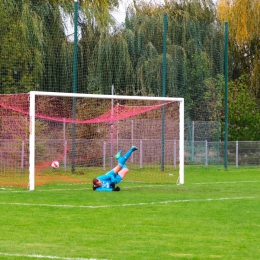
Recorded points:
(108, 181)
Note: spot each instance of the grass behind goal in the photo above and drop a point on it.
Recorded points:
(214, 215)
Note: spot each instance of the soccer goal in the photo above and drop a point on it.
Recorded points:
(80, 134)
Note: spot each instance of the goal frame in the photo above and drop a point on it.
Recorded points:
(78, 95)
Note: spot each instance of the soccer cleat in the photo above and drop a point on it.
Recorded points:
(134, 148)
(118, 154)
(116, 188)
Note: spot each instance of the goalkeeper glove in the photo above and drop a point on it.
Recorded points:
(116, 189)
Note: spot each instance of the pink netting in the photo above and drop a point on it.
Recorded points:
(119, 112)
(102, 126)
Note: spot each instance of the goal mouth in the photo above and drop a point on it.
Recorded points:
(83, 132)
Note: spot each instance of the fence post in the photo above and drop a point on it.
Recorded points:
(164, 77)
(104, 155)
(22, 159)
(192, 141)
(65, 155)
(236, 154)
(112, 129)
(226, 96)
(64, 145)
(74, 85)
(141, 154)
(206, 153)
(132, 137)
(174, 154)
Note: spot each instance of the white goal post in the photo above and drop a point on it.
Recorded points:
(32, 114)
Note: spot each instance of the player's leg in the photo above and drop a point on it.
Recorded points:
(115, 170)
(120, 172)
(123, 172)
(122, 159)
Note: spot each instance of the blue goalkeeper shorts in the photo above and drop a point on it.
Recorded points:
(118, 178)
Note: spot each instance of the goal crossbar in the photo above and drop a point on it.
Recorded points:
(33, 94)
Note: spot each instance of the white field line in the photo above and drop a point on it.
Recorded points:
(10, 189)
(224, 182)
(46, 256)
(124, 205)
(49, 190)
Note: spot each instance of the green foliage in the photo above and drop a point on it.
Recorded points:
(40, 56)
(28, 44)
(243, 19)
(35, 54)
(192, 59)
(17, 56)
(243, 112)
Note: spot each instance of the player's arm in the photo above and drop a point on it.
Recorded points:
(107, 189)
(103, 189)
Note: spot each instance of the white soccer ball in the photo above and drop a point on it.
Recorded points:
(55, 164)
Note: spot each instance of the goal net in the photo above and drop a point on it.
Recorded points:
(83, 132)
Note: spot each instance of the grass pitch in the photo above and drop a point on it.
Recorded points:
(214, 215)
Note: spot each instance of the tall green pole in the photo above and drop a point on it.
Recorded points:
(226, 96)
(164, 86)
(73, 152)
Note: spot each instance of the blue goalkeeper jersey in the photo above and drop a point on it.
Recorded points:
(107, 179)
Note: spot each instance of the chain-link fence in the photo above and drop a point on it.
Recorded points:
(240, 153)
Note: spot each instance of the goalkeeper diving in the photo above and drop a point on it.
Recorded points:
(108, 181)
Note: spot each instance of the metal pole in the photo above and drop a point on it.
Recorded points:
(174, 154)
(112, 131)
(132, 137)
(206, 153)
(164, 86)
(64, 145)
(73, 152)
(236, 154)
(181, 142)
(226, 96)
(141, 154)
(192, 142)
(104, 155)
(22, 157)
(32, 143)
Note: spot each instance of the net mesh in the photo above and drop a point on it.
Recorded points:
(86, 142)
(37, 53)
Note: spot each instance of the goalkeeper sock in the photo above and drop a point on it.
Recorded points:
(122, 159)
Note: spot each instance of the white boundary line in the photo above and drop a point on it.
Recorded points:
(125, 205)
(12, 189)
(224, 182)
(47, 256)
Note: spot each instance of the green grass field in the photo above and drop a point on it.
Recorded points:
(214, 215)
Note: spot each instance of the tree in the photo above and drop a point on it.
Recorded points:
(17, 52)
(243, 17)
(35, 53)
(244, 116)
(194, 48)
